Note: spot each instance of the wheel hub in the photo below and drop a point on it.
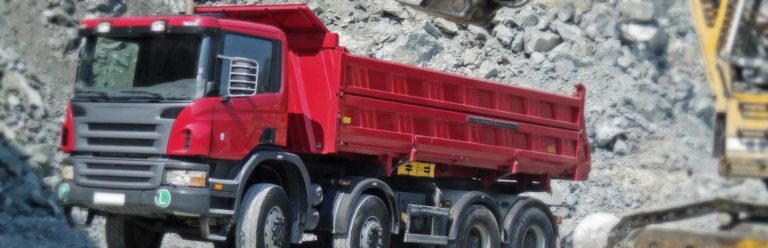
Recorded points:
(371, 234)
(275, 228)
(533, 237)
(479, 237)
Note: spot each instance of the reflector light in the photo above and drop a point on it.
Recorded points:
(158, 26)
(103, 27)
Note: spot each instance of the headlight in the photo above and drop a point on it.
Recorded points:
(67, 172)
(185, 178)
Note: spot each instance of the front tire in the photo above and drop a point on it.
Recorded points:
(369, 225)
(122, 233)
(264, 218)
(477, 228)
(532, 230)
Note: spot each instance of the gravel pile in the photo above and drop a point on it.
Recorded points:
(649, 109)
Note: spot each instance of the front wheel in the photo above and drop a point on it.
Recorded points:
(264, 218)
(477, 228)
(368, 227)
(122, 233)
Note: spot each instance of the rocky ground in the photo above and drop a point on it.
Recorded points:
(649, 108)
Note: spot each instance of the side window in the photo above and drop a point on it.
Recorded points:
(265, 52)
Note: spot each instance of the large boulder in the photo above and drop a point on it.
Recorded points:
(650, 34)
(593, 230)
(637, 11)
(540, 41)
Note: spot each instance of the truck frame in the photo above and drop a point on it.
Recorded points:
(250, 126)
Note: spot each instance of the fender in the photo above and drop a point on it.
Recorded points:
(346, 198)
(302, 201)
(466, 200)
(518, 207)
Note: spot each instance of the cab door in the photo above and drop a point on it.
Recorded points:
(241, 123)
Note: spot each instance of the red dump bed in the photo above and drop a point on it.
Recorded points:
(345, 105)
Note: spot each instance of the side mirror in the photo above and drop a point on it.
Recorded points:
(243, 77)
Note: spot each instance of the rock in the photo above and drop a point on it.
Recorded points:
(489, 69)
(599, 23)
(480, 33)
(650, 34)
(538, 58)
(525, 18)
(446, 26)
(637, 11)
(568, 31)
(566, 12)
(504, 34)
(412, 48)
(704, 109)
(620, 147)
(625, 61)
(593, 230)
(16, 81)
(547, 19)
(517, 44)
(607, 134)
(392, 9)
(538, 41)
(470, 57)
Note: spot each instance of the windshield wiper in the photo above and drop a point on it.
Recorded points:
(98, 93)
(152, 94)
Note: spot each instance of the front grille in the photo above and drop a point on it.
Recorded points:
(122, 127)
(97, 166)
(121, 142)
(122, 174)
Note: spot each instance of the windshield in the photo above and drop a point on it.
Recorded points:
(746, 47)
(157, 67)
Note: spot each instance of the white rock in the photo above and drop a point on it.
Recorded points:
(446, 26)
(568, 31)
(593, 230)
(620, 147)
(650, 34)
(525, 18)
(517, 44)
(607, 134)
(566, 12)
(504, 34)
(538, 41)
(412, 48)
(538, 57)
(637, 11)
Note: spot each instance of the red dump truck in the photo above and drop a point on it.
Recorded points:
(250, 126)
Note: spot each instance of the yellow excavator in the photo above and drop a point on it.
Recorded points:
(734, 41)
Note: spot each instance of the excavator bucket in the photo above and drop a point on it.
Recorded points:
(475, 12)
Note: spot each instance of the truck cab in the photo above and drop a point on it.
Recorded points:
(140, 128)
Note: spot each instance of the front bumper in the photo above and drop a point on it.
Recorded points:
(184, 201)
(135, 185)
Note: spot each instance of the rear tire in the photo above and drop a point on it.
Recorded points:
(477, 228)
(122, 233)
(264, 218)
(369, 225)
(533, 229)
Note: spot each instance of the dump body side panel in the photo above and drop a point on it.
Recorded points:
(418, 114)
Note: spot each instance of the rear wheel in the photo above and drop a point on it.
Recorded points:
(477, 228)
(263, 219)
(533, 229)
(122, 233)
(368, 227)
